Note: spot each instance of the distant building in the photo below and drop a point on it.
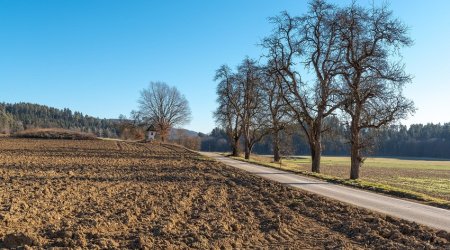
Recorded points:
(150, 133)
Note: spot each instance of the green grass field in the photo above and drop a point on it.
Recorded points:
(427, 180)
(403, 163)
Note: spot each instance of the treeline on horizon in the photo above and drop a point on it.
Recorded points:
(22, 116)
(418, 140)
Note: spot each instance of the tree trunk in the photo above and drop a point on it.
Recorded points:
(315, 143)
(164, 133)
(276, 147)
(355, 162)
(235, 147)
(356, 159)
(316, 155)
(235, 152)
(247, 150)
(247, 146)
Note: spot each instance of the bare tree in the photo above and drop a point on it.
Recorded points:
(228, 112)
(277, 110)
(372, 79)
(254, 119)
(297, 46)
(240, 109)
(164, 107)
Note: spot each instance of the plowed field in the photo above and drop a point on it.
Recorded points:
(108, 194)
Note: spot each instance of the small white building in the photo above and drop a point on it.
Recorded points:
(150, 133)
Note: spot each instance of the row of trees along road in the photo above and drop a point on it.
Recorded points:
(332, 62)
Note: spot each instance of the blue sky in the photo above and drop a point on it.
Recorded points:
(95, 56)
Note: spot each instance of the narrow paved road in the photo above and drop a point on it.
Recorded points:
(431, 216)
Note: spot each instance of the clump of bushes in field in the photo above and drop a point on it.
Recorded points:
(54, 133)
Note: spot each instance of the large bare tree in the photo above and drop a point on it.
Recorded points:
(164, 107)
(308, 47)
(372, 75)
(228, 112)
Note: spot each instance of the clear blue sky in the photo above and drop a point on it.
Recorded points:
(94, 56)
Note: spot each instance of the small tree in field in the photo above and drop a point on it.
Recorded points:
(164, 107)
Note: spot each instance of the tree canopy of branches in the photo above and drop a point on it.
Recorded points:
(164, 107)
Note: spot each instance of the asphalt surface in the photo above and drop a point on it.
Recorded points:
(427, 215)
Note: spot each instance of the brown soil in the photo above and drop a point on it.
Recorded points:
(108, 194)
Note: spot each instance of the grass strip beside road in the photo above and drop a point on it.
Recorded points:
(361, 184)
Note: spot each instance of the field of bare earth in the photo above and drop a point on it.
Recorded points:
(110, 194)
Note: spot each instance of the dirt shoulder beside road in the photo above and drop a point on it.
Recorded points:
(108, 194)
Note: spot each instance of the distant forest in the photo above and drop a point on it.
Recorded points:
(430, 140)
(21, 116)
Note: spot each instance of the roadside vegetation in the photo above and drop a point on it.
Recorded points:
(427, 181)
